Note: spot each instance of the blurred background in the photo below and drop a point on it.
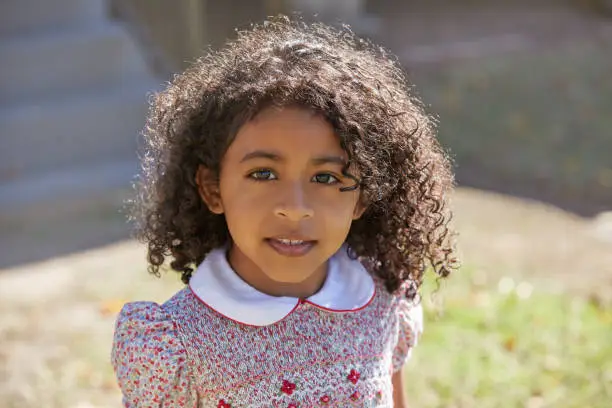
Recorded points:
(523, 93)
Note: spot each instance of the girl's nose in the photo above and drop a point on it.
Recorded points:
(294, 205)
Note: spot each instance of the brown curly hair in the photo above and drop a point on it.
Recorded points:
(405, 176)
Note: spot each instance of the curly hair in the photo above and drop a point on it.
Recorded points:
(405, 176)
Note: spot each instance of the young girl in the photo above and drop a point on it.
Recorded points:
(297, 186)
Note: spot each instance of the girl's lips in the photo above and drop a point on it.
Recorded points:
(293, 250)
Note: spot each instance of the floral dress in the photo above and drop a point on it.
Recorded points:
(221, 343)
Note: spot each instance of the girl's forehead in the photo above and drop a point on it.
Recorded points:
(288, 131)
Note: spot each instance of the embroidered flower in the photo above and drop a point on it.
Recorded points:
(223, 404)
(288, 387)
(292, 406)
(355, 396)
(325, 399)
(353, 376)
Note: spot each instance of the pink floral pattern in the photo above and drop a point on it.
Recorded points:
(184, 354)
(287, 387)
(353, 376)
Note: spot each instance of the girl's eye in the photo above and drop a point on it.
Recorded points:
(262, 175)
(326, 178)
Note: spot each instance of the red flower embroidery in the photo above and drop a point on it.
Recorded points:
(292, 406)
(356, 395)
(223, 404)
(288, 387)
(354, 376)
(325, 399)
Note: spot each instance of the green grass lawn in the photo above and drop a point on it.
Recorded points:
(507, 345)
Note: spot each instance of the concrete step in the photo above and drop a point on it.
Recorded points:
(67, 61)
(63, 212)
(54, 236)
(19, 17)
(62, 191)
(82, 129)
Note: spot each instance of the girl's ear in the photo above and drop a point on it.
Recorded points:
(360, 208)
(208, 188)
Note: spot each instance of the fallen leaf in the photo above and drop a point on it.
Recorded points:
(510, 344)
(111, 307)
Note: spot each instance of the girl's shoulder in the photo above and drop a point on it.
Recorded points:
(407, 315)
(402, 317)
(149, 317)
(148, 356)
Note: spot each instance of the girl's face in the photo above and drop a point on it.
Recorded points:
(279, 191)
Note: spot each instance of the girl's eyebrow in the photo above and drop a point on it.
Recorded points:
(317, 161)
(260, 154)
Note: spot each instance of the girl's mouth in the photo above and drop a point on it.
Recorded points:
(290, 247)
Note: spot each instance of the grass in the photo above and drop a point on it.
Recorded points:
(510, 345)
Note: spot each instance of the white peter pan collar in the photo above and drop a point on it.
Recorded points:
(347, 288)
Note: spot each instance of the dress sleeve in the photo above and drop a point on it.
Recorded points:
(410, 320)
(149, 359)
